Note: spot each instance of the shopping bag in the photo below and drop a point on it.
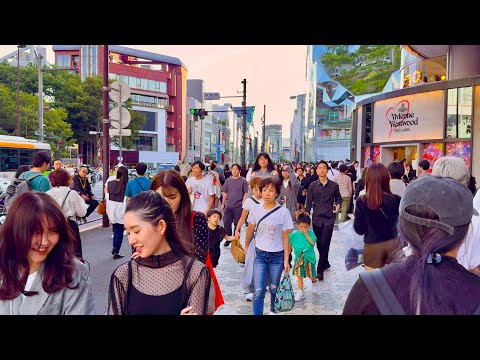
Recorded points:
(349, 236)
(102, 207)
(285, 297)
(238, 252)
(353, 258)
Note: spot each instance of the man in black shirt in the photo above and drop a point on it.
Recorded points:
(324, 196)
(83, 188)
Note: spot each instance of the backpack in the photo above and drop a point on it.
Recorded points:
(18, 187)
(383, 295)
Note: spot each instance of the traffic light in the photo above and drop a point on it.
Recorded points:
(201, 113)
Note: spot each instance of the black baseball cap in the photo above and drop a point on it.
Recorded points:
(450, 200)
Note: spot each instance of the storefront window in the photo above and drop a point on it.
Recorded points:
(376, 154)
(431, 152)
(368, 123)
(459, 113)
(459, 149)
(367, 161)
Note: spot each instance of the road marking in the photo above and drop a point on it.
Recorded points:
(90, 228)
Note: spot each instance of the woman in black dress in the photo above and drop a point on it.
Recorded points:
(162, 279)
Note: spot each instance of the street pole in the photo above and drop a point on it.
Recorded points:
(106, 126)
(263, 128)
(40, 98)
(244, 122)
(18, 91)
(120, 158)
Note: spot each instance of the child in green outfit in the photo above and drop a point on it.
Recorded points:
(303, 242)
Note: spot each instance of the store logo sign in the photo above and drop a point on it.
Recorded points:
(400, 118)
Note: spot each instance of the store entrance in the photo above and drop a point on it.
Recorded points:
(397, 153)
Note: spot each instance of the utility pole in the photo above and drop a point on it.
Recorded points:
(40, 98)
(244, 123)
(106, 126)
(263, 127)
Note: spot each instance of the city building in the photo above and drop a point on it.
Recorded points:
(329, 107)
(273, 139)
(297, 130)
(433, 111)
(158, 88)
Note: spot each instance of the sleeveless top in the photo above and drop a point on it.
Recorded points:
(172, 303)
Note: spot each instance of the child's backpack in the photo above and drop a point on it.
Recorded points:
(18, 187)
(285, 298)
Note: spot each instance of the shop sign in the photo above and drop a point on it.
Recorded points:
(411, 117)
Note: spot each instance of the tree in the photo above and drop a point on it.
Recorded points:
(56, 129)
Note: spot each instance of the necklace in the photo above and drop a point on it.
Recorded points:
(83, 182)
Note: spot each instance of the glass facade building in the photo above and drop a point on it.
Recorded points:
(329, 107)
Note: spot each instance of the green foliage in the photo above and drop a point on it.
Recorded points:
(372, 74)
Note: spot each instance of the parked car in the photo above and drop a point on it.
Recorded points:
(159, 168)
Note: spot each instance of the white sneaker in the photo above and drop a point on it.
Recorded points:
(272, 313)
(316, 288)
(111, 236)
(249, 297)
(299, 295)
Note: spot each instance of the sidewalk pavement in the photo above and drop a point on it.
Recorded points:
(334, 289)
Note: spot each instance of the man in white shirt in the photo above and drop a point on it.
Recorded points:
(202, 188)
(332, 172)
(396, 170)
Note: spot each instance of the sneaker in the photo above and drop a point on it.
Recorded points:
(272, 313)
(249, 297)
(111, 236)
(320, 275)
(124, 233)
(316, 288)
(299, 295)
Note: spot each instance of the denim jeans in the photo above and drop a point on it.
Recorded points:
(117, 237)
(270, 263)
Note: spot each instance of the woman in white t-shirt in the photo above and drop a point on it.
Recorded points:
(272, 246)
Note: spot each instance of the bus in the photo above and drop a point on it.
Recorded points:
(16, 151)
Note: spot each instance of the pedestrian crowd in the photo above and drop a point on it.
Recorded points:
(420, 236)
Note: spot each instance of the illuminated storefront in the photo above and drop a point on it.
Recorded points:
(421, 122)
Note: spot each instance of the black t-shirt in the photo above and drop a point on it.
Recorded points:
(215, 237)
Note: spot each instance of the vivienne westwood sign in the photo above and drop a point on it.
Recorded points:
(410, 117)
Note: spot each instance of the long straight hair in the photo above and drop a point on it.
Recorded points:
(27, 215)
(257, 167)
(426, 296)
(170, 180)
(377, 182)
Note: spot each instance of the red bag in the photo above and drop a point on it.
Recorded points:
(215, 299)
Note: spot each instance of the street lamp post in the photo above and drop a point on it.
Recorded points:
(18, 87)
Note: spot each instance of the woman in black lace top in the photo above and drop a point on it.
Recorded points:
(171, 186)
(162, 279)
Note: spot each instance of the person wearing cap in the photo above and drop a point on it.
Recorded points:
(428, 281)
(469, 252)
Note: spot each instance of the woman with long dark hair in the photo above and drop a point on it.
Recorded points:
(162, 279)
(263, 167)
(39, 273)
(116, 204)
(376, 215)
(192, 226)
(430, 281)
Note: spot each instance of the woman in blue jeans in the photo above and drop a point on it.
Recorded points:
(271, 241)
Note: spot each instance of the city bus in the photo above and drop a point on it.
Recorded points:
(16, 151)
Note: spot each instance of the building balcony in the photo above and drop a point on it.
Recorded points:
(170, 108)
(169, 124)
(170, 141)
